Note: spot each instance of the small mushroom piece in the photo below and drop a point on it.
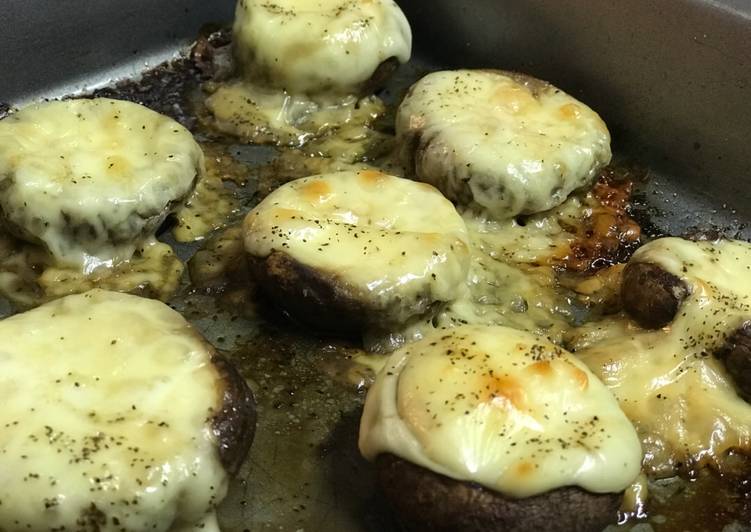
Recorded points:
(651, 295)
(736, 355)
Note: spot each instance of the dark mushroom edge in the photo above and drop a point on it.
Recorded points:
(322, 301)
(428, 502)
(650, 295)
(234, 425)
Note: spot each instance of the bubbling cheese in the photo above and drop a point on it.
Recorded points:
(106, 401)
(92, 179)
(388, 239)
(502, 142)
(502, 408)
(511, 281)
(314, 46)
(679, 396)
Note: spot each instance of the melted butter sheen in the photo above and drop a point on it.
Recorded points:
(678, 395)
(388, 238)
(97, 432)
(91, 179)
(309, 46)
(503, 408)
(212, 204)
(506, 144)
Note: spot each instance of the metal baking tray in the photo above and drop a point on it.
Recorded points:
(671, 79)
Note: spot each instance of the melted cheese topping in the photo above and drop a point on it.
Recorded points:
(30, 277)
(387, 238)
(213, 204)
(681, 399)
(511, 280)
(504, 143)
(258, 115)
(502, 408)
(308, 46)
(90, 179)
(154, 271)
(97, 432)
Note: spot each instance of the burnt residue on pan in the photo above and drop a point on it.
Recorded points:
(167, 87)
(304, 470)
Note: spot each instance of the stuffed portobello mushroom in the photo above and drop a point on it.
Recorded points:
(321, 46)
(682, 369)
(117, 416)
(352, 251)
(93, 179)
(308, 69)
(490, 428)
(500, 142)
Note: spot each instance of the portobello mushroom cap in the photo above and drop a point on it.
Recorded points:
(476, 428)
(430, 502)
(355, 251)
(500, 142)
(322, 47)
(92, 179)
(117, 413)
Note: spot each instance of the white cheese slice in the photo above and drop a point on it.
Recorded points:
(92, 179)
(501, 142)
(388, 239)
(106, 401)
(678, 395)
(502, 408)
(315, 46)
